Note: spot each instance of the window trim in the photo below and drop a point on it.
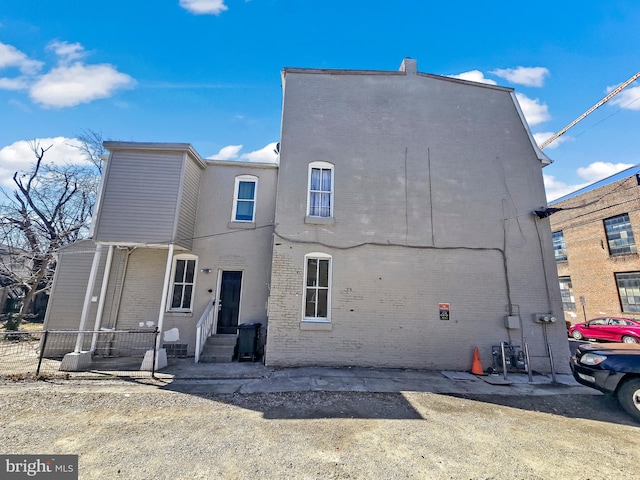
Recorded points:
(566, 280)
(632, 247)
(236, 189)
(622, 304)
(563, 249)
(176, 258)
(318, 256)
(324, 166)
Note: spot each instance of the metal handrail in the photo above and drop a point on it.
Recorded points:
(204, 328)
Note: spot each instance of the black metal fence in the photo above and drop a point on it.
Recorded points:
(65, 353)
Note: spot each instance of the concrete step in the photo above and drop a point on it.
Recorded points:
(221, 339)
(211, 358)
(219, 349)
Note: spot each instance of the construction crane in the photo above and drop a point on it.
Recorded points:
(597, 105)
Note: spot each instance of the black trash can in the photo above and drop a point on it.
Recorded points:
(248, 341)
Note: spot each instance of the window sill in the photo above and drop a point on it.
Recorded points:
(316, 326)
(245, 225)
(320, 220)
(173, 313)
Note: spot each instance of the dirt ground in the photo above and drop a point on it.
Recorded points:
(144, 432)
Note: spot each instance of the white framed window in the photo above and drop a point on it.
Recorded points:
(244, 198)
(183, 282)
(317, 287)
(320, 191)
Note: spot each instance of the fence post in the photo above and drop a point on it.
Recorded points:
(153, 365)
(44, 345)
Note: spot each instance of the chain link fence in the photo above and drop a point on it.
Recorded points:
(47, 353)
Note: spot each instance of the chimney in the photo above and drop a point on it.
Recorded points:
(409, 65)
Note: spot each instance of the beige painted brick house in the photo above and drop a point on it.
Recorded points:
(396, 231)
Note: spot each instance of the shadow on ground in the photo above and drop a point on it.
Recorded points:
(600, 408)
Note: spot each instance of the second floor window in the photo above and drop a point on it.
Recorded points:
(244, 199)
(320, 195)
(559, 249)
(620, 235)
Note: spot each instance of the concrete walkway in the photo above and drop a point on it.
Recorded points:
(186, 376)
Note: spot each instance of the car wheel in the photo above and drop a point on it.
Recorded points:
(629, 397)
(577, 335)
(629, 339)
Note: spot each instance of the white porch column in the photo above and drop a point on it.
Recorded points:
(87, 297)
(103, 294)
(77, 360)
(165, 294)
(160, 353)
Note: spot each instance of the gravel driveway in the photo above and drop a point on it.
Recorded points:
(134, 431)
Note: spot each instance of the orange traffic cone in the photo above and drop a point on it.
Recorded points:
(476, 367)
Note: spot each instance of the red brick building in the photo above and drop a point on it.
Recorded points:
(595, 236)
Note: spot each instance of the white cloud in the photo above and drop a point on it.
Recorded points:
(67, 86)
(71, 82)
(474, 76)
(227, 153)
(541, 137)
(628, 98)
(19, 83)
(556, 189)
(10, 56)
(67, 52)
(534, 111)
(204, 7)
(599, 170)
(592, 173)
(266, 154)
(19, 157)
(528, 76)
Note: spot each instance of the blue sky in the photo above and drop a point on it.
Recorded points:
(207, 72)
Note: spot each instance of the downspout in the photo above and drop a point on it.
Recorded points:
(103, 294)
(87, 297)
(165, 293)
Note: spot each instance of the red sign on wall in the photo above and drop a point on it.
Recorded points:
(444, 311)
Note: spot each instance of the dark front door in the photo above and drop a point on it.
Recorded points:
(229, 305)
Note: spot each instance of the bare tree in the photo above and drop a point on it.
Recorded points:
(51, 206)
(92, 148)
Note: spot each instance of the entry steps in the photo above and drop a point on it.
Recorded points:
(219, 348)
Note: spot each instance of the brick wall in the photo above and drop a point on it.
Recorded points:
(589, 264)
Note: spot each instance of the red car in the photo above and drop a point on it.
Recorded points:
(614, 329)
